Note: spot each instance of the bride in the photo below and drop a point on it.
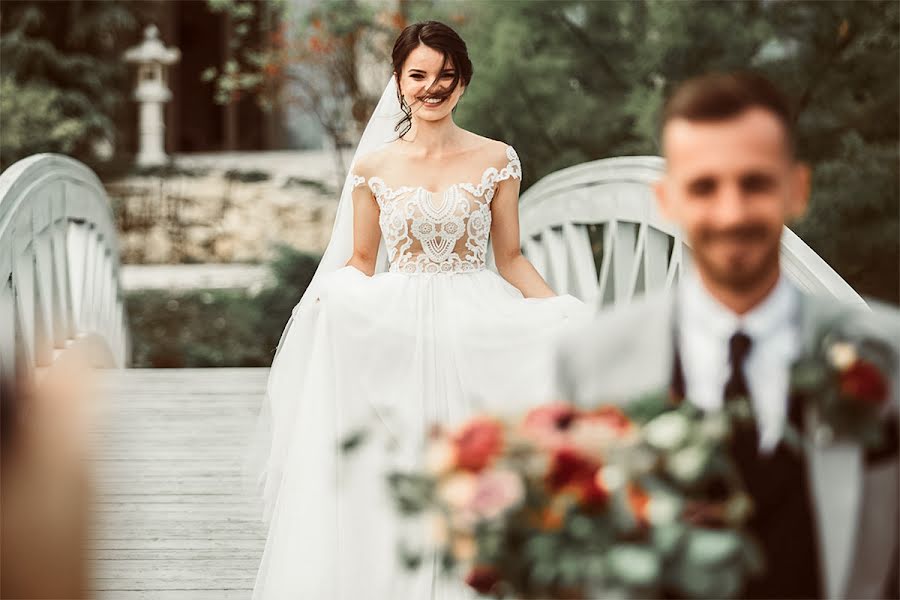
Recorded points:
(411, 319)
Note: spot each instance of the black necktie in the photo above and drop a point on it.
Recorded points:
(745, 440)
(738, 349)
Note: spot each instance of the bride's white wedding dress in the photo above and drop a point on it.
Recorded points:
(436, 337)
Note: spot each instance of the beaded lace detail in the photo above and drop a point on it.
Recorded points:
(426, 232)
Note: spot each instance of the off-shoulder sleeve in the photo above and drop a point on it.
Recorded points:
(356, 180)
(492, 176)
(513, 166)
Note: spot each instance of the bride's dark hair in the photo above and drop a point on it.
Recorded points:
(437, 36)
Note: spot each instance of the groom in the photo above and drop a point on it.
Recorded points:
(827, 520)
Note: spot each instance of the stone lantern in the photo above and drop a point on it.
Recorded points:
(152, 58)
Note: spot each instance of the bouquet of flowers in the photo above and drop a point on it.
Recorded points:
(638, 501)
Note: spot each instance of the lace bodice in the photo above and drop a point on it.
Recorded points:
(426, 232)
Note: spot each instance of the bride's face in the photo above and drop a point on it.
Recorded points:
(421, 71)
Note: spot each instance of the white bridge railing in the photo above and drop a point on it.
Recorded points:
(593, 230)
(59, 266)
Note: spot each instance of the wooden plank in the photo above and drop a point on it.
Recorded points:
(172, 510)
(557, 261)
(186, 583)
(177, 554)
(536, 254)
(582, 269)
(187, 545)
(623, 259)
(656, 246)
(180, 594)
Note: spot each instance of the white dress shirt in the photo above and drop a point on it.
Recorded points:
(705, 327)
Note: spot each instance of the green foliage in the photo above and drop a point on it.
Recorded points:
(33, 121)
(570, 81)
(217, 328)
(69, 53)
(194, 329)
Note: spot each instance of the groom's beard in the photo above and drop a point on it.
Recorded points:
(738, 258)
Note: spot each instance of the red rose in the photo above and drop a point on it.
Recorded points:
(862, 380)
(483, 578)
(477, 443)
(570, 470)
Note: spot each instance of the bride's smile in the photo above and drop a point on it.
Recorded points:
(429, 84)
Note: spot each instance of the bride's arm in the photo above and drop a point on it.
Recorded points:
(366, 231)
(511, 264)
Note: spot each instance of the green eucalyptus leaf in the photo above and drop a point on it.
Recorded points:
(712, 547)
(634, 565)
(668, 538)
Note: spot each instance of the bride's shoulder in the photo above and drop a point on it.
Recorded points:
(500, 153)
(369, 163)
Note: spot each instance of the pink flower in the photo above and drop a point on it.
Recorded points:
(548, 425)
(478, 443)
(496, 492)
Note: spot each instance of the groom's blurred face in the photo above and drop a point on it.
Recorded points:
(732, 184)
(425, 83)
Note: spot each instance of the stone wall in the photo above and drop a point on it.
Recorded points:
(226, 208)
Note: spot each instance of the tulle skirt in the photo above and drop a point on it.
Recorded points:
(390, 354)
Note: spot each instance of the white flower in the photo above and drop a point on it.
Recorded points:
(714, 425)
(440, 457)
(687, 464)
(663, 509)
(842, 355)
(592, 437)
(667, 431)
(458, 490)
(610, 477)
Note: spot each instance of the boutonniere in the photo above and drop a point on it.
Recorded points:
(843, 379)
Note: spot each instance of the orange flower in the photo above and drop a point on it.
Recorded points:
(862, 380)
(478, 443)
(550, 519)
(638, 500)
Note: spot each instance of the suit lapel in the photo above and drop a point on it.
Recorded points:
(836, 471)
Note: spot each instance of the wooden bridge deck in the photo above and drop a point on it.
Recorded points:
(172, 519)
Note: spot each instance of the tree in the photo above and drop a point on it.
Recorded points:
(66, 57)
(323, 53)
(581, 80)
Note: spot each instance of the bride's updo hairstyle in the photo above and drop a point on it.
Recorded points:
(437, 36)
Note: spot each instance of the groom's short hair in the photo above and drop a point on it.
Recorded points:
(722, 96)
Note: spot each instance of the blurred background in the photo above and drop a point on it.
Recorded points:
(267, 99)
